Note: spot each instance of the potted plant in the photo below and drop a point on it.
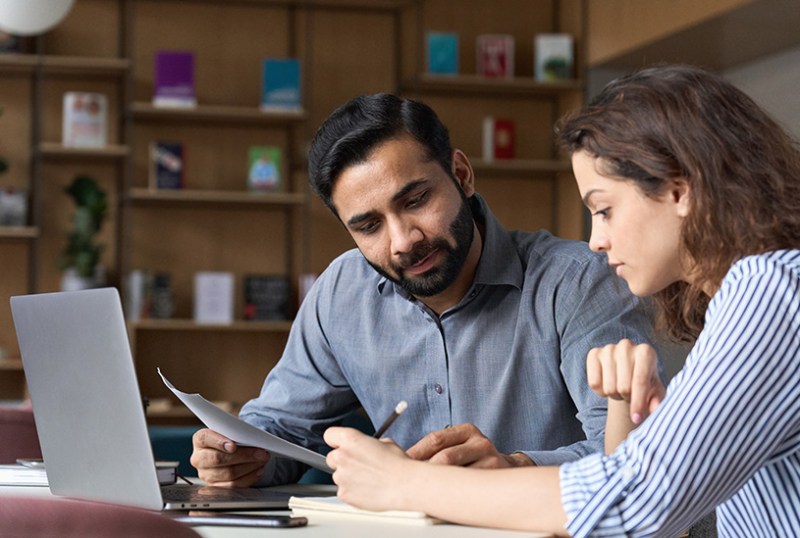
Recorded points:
(80, 260)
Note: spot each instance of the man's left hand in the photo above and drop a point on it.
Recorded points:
(466, 446)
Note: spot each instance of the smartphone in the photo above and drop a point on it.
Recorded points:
(241, 520)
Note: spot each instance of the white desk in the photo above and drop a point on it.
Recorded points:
(327, 527)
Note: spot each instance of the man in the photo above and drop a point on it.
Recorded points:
(483, 332)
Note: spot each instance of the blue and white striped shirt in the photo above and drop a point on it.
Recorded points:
(727, 434)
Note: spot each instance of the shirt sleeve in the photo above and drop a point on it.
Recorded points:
(592, 308)
(305, 392)
(733, 409)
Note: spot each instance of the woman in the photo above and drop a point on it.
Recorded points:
(695, 198)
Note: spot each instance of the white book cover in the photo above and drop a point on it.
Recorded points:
(554, 57)
(85, 118)
(213, 297)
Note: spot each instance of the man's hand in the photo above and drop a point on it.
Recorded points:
(220, 462)
(466, 446)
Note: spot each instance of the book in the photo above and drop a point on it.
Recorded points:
(13, 206)
(280, 84)
(167, 165)
(335, 507)
(498, 138)
(213, 297)
(85, 117)
(263, 168)
(173, 81)
(495, 55)
(266, 297)
(442, 50)
(14, 474)
(553, 57)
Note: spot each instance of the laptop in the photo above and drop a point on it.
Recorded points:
(88, 408)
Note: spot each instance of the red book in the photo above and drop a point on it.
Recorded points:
(498, 139)
(495, 55)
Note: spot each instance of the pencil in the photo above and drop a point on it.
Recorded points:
(398, 410)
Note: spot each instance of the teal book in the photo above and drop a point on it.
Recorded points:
(280, 84)
(442, 53)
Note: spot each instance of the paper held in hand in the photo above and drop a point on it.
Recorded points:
(243, 433)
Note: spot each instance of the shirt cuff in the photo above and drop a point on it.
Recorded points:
(591, 490)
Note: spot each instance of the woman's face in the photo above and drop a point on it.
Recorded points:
(639, 234)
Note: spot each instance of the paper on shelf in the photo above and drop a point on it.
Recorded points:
(243, 433)
(334, 506)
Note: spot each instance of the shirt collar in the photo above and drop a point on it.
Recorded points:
(499, 263)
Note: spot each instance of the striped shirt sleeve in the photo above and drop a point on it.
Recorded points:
(733, 410)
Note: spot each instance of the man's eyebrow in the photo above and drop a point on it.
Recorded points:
(410, 186)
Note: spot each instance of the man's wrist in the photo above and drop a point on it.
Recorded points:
(518, 459)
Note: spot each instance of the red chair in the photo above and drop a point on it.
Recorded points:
(40, 517)
(18, 438)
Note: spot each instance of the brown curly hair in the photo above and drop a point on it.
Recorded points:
(678, 121)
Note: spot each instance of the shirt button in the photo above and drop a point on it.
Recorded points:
(438, 388)
(628, 472)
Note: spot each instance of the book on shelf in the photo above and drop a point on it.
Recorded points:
(442, 48)
(495, 55)
(173, 80)
(84, 120)
(554, 56)
(498, 138)
(334, 507)
(280, 84)
(213, 297)
(266, 297)
(167, 165)
(13, 206)
(263, 168)
(148, 295)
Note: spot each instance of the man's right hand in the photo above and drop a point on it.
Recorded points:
(221, 462)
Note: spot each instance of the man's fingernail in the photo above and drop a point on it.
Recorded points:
(637, 418)
(228, 447)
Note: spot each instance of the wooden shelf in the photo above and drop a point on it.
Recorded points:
(211, 197)
(365, 5)
(479, 85)
(68, 65)
(217, 114)
(521, 166)
(190, 325)
(21, 233)
(56, 150)
(11, 364)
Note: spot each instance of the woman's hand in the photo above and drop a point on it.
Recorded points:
(371, 473)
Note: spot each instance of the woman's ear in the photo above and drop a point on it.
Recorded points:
(680, 194)
(462, 172)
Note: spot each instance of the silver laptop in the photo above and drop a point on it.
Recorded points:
(89, 412)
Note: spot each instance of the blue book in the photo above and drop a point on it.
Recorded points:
(442, 53)
(280, 84)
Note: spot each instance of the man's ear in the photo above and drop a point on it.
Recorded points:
(462, 172)
(681, 194)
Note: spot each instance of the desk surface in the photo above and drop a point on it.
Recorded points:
(328, 527)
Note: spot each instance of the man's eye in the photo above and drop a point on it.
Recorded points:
(418, 200)
(368, 228)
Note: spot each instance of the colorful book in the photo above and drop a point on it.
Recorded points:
(495, 55)
(85, 118)
(280, 84)
(266, 297)
(498, 139)
(167, 165)
(264, 168)
(442, 53)
(554, 57)
(173, 81)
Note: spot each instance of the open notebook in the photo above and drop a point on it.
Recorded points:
(335, 507)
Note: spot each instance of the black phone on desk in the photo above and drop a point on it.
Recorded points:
(217, 519)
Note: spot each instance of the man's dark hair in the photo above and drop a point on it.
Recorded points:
(350, 134)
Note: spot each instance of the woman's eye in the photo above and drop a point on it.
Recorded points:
(602, 213)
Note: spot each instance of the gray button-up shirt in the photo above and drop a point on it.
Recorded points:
(510, 357)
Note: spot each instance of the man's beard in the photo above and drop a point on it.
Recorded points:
(439, 278)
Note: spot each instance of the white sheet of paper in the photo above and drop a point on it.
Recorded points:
(243, 433)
